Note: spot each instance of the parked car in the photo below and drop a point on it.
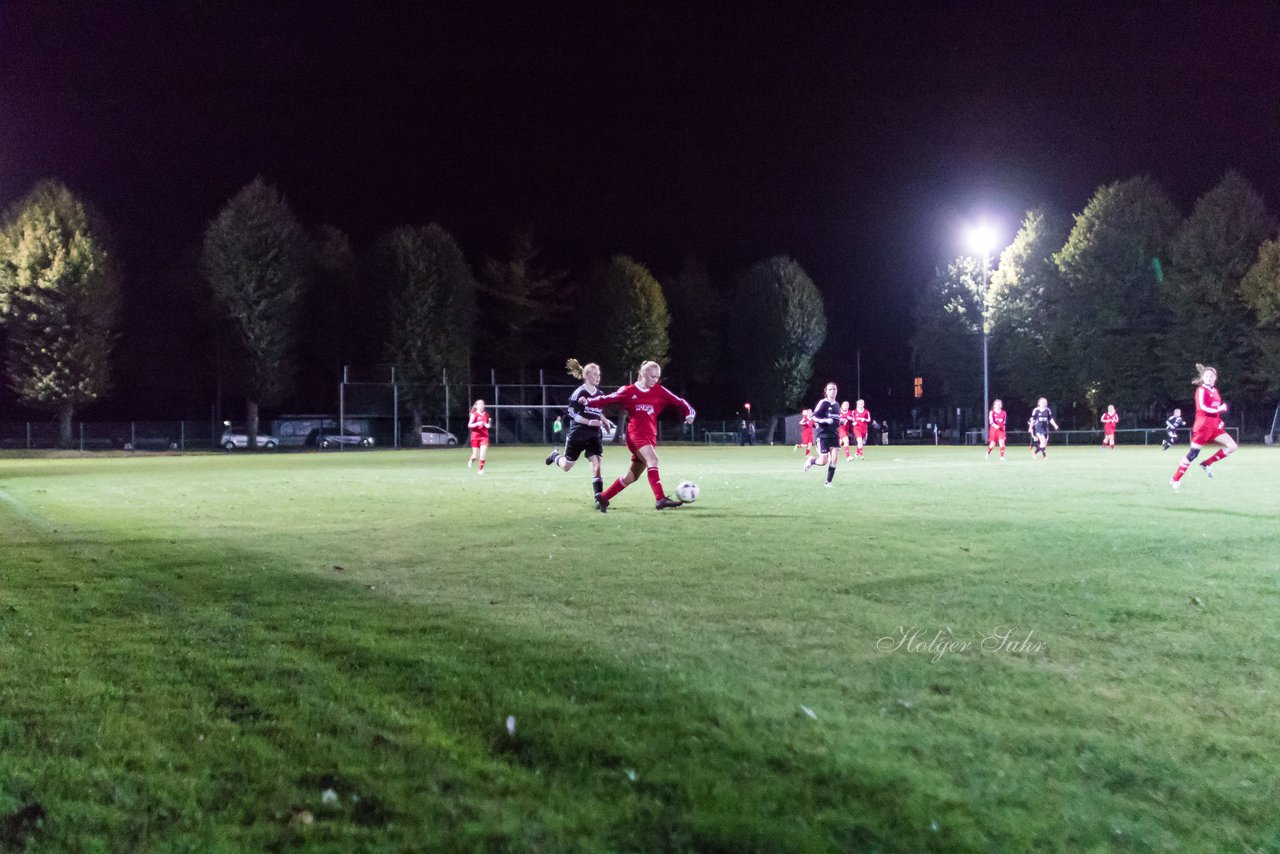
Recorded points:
(323, 438)
(438, 436)
(233, 439)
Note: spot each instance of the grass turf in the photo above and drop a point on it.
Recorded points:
(321, 651)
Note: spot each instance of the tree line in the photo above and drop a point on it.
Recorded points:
(1115, 305)
(283, 299)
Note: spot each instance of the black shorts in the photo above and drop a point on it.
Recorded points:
(827, 443)
(580, 442)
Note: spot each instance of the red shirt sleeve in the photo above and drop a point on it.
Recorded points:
(607, 399)
(677, 400)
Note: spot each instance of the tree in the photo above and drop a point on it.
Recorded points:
(1211, 253)
(947, 345)
(522, 301)
(629, 316)
(1023, 288)
(1111, 315)
(59, 301)
(1260, 292)
(433, 299)
(697, 320)
(777, 325)
(255, 259)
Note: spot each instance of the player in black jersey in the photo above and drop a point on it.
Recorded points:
(584, 428)
(1039, 423)
(826, 423)
(1171, 426)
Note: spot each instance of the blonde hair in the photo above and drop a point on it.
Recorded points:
(644, 366)
(1200, 369)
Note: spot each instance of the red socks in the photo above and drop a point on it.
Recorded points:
(482, 465)
(614, 488)
(1182, 469)
(1222, 453)
(655, 483)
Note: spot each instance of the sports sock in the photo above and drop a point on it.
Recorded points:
(831, 472)
(1222, 453)
(1002, 450)
(1182, 469)
(597, 485)
(482, 465)
(655, 483)
(614, 488)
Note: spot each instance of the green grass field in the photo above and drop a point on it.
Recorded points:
(321, 652)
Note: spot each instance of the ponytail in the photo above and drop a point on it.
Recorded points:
(574, 367)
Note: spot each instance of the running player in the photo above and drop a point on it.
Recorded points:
(1039, 424)
(1109, 421)
(584, 427)
(806, 431)
(478, 424)
(996, 420)
(644, 401)
(1172, 425)
(861, 418)
(842, 431)
(826, 415)
(1208, 429)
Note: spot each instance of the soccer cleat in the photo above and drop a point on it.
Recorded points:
(469, 462)
(808, 464)
(666, 502)
(551, 457)
(827, 484)
(1206, 469)
(480, 472)
(1174, 484)
(602, 504)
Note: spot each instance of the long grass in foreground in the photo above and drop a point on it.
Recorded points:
(382, 651)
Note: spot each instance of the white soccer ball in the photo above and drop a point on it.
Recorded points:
(687, 492)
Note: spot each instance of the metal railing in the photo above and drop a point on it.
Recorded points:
(1126, 436)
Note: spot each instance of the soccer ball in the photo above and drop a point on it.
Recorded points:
(687, 492)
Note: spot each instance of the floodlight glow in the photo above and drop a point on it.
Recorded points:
(982, 238)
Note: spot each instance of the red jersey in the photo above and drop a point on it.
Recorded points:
(1209, 406)
(997, 418)
(478, 424)
(644, 406)
(860, 420)
(1109, 422)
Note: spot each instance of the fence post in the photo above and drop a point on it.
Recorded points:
(133, 435)
(82, 437)
(28, 435)
(444, 377)
(542, 381)
(395, 409)
(182, 436)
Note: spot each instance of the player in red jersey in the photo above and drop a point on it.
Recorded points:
(842, 431)
(1109, 421)
(478, 424)
(806, 431)
(1208, 429)
(861, 418)
(644, 401)
(997, 418)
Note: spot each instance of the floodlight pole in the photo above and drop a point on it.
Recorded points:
(986, 388)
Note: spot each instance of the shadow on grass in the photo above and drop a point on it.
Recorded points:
(273, 709)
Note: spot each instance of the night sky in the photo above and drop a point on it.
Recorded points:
(858, 140)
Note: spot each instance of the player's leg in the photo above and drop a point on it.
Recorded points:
(484, 447)
(1002, 447)
(1184, 465)
(597, 483)
(832, 457)
(1228, 447)
(649, 455)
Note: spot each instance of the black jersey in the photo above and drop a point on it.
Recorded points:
(579, 412)
(1174, 422)
(826, 418)
(1040, 418)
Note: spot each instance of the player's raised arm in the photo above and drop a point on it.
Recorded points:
(677, 400)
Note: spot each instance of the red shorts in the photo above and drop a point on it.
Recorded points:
(860, 431)
(477, 440)
(997, 434)
(806, 437)
(843, 433)
(1109, 431)
(635, 443)
(1208, 432)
